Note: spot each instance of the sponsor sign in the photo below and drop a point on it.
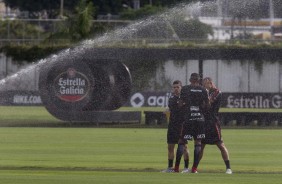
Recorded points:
(149, 99)
(27, 99)
(71, 86)
(159, 99)
(229, 100)
(252, 100)
(24, 98)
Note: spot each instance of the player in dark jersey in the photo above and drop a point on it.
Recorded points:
(213, 129)
(174, 131)
(194, 100)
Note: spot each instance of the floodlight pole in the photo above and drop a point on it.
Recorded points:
(62, 9)
(201, 70)
(271, 16)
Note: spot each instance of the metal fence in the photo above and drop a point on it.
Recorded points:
(18, 30)
(44, 28)
(242, 77)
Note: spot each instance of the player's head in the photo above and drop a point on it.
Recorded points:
(176, 87)
(194, 78)
(208, 83)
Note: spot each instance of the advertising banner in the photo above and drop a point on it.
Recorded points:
(159, 99)
(252, 100)
(24, 98)
(229, 100)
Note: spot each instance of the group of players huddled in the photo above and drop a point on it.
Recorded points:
(194, 116)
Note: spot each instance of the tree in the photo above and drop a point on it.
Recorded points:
(147, 10)
(168, 3)
(168, 27)
(81, 23)
(105, 7)
(53, 6)
(19, 30)
(34, 7)
(78, 25)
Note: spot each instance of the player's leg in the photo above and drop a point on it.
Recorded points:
(199, 134)
(171, 141)
(225, 156)
(179, 153)
(202, 150)
(182, 149)
(223, 150)
(186, 135)
(209, 129)
(186, 158)
(170, 149)
(197, 152)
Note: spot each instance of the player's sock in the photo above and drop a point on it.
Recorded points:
(186, 163)
(179, 154)
(170, 163)
(227, 163)
(197, 151)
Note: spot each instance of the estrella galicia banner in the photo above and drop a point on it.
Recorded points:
(252, 100)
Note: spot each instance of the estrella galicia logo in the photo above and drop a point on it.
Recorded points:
(71, 85)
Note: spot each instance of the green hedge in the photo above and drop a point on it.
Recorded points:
(28, 53)
(31, 53)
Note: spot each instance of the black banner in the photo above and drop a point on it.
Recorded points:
(158, 99)
(148, 99)
(252, 100)
(21, 98)
(229, 100)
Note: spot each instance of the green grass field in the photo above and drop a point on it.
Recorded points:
(59, 154)
(130, 155)
(38, 116)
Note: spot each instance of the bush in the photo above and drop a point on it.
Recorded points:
(15, 29)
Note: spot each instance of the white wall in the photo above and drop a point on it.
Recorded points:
(231, 76)
(179, 70)
(266, 81)
(26, 78)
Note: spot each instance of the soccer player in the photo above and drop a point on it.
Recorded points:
(174, 131)
(213, 130)
(194, 100)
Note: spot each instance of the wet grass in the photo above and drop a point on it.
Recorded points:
(74, 177)
(38, 116)
(131, 155)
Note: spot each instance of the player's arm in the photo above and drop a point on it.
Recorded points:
(217, 102)
(206, 100)
(181, 101)
(215, 96)
(173, 103)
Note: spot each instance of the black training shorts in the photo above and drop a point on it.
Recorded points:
(212, 132)
(193, 129)
(174, 134)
